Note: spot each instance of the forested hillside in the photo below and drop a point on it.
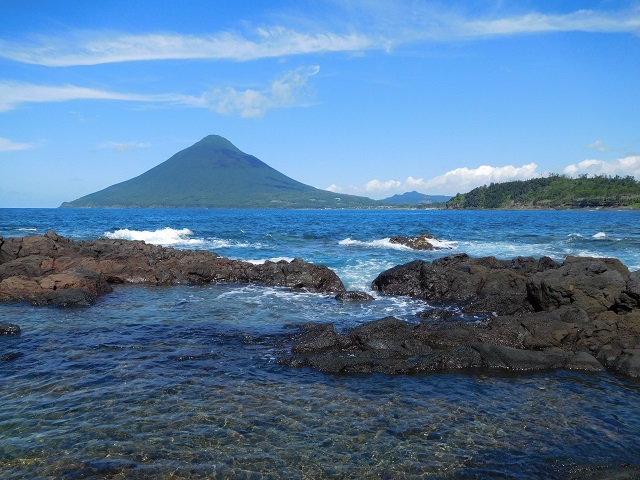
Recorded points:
(555, 191)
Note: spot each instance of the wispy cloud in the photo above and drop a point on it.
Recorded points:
(365, 26)
(7, 145)
(93, 48)
(13, 94)
(123, 146)
(599, 146)
(622, 166)
(288, 90)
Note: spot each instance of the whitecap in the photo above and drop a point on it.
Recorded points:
(381, 243)
(163, 236)
(27, 229)
(599, 235)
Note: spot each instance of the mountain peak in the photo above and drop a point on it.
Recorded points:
(217, 142)
(214, 173)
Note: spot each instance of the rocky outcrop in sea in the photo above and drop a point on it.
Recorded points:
(53, 270)
(424, 241)
(525, 314)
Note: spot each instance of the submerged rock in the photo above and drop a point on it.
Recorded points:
(52, 270)
(354, 297)
(392, 346)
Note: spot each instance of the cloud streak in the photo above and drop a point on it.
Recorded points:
(7, 145)
(13, 94)
(376, 28)
(94, 48)
(123, 146)
(291, 89)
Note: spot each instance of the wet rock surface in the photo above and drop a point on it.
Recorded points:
(53, 270)
(522, 315)
(424, 241)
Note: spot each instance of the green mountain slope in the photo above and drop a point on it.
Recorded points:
(213, 173)
(555, 191)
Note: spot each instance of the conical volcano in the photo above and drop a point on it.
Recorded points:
(213, 173)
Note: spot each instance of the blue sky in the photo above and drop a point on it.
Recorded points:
(364, 97)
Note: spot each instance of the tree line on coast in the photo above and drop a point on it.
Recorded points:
(554, 191)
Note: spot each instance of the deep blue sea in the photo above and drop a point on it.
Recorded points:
(182, 382)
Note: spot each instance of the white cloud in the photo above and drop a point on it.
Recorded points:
(7, 145)
(622, 166)
(454, 181)
(13, 94)
(578, 21)
(334, 188)
(465, 179)
(290, 89)
(378, 186)
(93, 48)
(123, 146)
(365, 26)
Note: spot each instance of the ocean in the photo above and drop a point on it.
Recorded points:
(183, 381)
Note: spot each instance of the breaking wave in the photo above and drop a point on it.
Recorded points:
(164, 236)
(386, 243)
(181, 238)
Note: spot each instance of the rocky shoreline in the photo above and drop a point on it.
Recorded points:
(53, 270)
(523, 314)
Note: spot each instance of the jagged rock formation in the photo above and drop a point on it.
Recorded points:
(536, 314)
(53, 270)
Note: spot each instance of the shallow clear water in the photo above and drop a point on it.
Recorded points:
(182, 382)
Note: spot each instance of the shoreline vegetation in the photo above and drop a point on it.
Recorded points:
(553, 192)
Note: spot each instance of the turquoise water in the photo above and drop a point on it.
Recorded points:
(182, 382)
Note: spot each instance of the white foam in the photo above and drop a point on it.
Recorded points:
(163, 236)
(177, 238)
(27, 229)
(381, 243)
(221, 243)
(599, 235)
(274, 259)
(386, 243)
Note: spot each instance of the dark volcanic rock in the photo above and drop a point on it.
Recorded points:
(395, 347)
(419, 242)
(53, 270)
(9, 329)
(478, 284)
(537, 314)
